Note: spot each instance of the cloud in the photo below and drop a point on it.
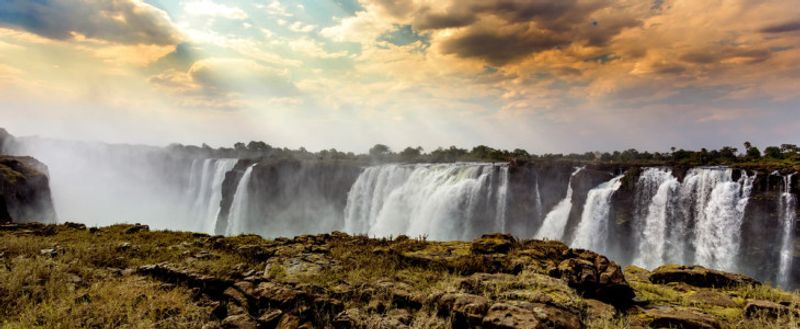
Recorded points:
(119, 21)
(225, 83)
(782, 28)
(213, 9)
(302, 27)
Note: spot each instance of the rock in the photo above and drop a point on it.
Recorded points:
(466, 310)
(596, 309)
(765, 309)
(711, 298)
(269, 319)
(76, 226)
(527, 315)
(136, 228)
(699, 276)
(274, 295)
(493, 244)
(208, 284)
(594, 276)
(359, 319)
(679, 319)
(25, 191)
(401, 294)
(52, 252)
(241, 321)
(288, 321)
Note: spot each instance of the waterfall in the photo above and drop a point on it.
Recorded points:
(442, 201)
(653, 240)
(788, 208)
(502, 200)
(556, 220)
(205, 191)
(592, 231)
(238, 213)
(718, 226)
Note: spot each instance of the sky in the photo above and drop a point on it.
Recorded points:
(546, 76)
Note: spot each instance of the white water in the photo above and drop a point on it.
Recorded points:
(205, 191)
(788, 207)
(441, 201)
(237, 218)
(718, 228)
(556, 220)
(653, 239)
(592, 232)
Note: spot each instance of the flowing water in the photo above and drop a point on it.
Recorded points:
(205, 190)
(788, 208)
(592, 231)
(237, 219)
(440, 201)
(556, 220)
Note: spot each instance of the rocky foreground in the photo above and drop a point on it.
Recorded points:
(68, 276)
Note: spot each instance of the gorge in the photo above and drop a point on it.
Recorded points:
(729, 218)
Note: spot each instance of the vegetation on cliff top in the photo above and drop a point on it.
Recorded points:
(126, 276)
(783, 156)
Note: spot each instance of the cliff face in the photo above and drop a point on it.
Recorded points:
(25, 191)
(293, 196)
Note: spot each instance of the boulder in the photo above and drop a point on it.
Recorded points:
(699, 276)
(25, 191)
(594, 276)
(208, 284)
(765, 309)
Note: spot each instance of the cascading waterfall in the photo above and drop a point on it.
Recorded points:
(237, 219)
(556, 220)
(709, 204)
(205, 190)
(788, 208)
(718, 230)
(653, 239)
(592, 231)
(442, 201)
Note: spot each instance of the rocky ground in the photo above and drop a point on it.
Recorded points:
(126, 276)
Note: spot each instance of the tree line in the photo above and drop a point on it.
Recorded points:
(380, 153)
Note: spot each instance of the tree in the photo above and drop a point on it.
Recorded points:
(753, 153)
(379, 150)
(240, 147)
(773, 152)
(410, 153)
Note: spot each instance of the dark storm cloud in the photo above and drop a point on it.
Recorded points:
(500, 48)
(503, 31)
(120, 21)
(782, 28)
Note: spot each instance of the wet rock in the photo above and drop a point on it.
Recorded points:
(699, 276)
(25, 191)
(765, 309)
(136, 228)
(241, 321)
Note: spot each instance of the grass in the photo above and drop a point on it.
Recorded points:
(73, 278)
